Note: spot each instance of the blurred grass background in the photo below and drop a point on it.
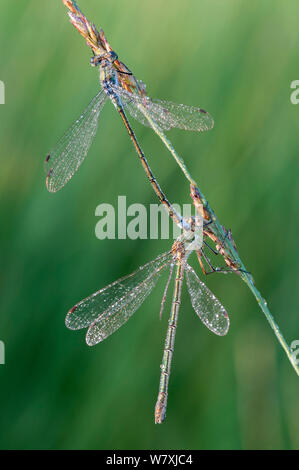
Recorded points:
(237, 60)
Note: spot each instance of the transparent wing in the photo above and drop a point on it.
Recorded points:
(206, 305)
(165, 113)
(66, 157)
(109, 308)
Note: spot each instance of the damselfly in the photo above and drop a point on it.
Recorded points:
(126, 92)
(109, 308)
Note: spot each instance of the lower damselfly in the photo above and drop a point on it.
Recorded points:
(106, 310)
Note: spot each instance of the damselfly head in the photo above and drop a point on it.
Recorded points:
(95, 60)
(110, 57)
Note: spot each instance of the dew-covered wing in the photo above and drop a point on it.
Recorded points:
(109, 308)
(65, 158)
(206, 305)
(165, 114)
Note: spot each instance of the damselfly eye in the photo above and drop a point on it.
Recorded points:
(94, 61)
(113, 56)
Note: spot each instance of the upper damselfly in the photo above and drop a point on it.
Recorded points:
(127, 94)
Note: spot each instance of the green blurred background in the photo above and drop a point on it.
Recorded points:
(237, 60)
